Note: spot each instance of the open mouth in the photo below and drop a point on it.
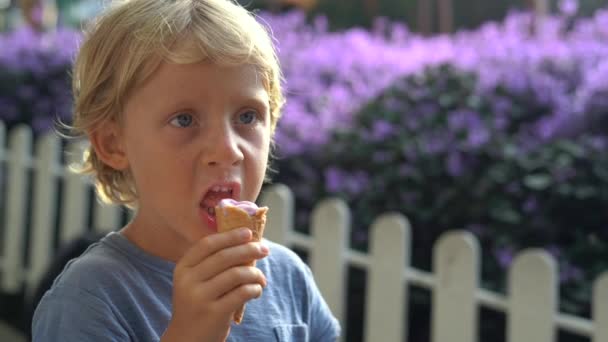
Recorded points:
(212, 198)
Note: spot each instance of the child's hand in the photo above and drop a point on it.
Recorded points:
(210, 283)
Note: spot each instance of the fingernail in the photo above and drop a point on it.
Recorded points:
(245, 232)
(264, 249)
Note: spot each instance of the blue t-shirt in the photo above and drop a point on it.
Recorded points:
(117, 292)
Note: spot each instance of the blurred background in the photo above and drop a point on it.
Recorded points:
(489, 116)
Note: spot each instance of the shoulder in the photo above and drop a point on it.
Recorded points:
(98, 260)
(78, 304)
(110, 290)
(281, 252)
(100, 269)
(67, 313)
(82, 300)
(286, 261)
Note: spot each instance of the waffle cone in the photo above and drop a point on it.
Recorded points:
(230, 217)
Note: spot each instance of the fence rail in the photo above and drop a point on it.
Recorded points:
(38, 186)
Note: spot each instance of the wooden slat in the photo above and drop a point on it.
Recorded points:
(533, 294)
(454, 309)
(600, 308)
(330, 232)
(107, 217)
(20, 145)
(44, 210)
(75, 204)
(387, 294)
(445, 13)
(424, 16)
(279, 199)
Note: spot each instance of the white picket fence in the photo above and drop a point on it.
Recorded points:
(531, 307)
(46, 169)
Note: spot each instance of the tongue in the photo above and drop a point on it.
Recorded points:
(213, 198)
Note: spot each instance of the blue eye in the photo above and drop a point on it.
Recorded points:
(182, 120)
(247, 118)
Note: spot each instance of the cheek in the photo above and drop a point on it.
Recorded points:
(259, 159)
(264, 151)
(155, 167)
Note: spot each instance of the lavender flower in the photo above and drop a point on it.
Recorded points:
(504, 256)
(382, 130)
(34, 70)
(568, 7)
(569, 272)
(332, 75)
(352, 183)
(455, 164)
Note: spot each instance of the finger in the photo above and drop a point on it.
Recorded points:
(233, 278)
(236, 298)
(244, 254)
(213, 243)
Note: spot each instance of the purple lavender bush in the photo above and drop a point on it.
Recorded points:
(330, 75)
(500, 131)
(450, 164)
(34, 77)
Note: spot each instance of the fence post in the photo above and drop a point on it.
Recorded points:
(533, 294)
(75, 203)
(425, 16)
(20, 145)
(4, 160)
(600, 308)
(279, 199)
(330, 236)
(540, 12)
(445, 13)
(541, 7)
(107, 217)
(4, 198)
(454, 307)
(44, 210)
(386, 299)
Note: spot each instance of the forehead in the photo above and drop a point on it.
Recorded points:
(205, 79)
(194, 71)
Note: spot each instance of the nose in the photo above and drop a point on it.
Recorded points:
(222, 148)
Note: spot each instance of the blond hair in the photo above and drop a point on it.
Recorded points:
(127, 43)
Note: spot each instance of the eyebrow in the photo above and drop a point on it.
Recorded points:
(254, 98)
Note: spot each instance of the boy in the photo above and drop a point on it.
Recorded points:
(179, 99)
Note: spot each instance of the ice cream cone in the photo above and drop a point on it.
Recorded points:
(231, 217)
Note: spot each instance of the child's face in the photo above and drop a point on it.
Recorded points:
(194, 134)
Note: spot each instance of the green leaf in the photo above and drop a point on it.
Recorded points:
(510, 150)
(499, 174)
(572, 148)
(601, 172)
(446, 100)
(564, 189)
(506, 215)
(585, 192)
(539, 181)
(564, 160)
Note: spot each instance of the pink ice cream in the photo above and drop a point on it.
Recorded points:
(250, 207)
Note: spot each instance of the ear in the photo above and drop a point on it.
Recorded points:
(108, 142)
